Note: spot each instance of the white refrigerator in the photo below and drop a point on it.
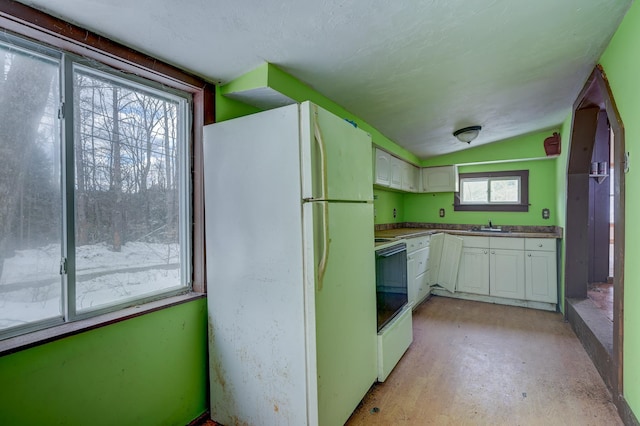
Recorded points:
(290, 267)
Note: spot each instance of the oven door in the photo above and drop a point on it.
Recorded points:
(391, 282)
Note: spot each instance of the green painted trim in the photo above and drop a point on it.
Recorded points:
(254, 79)
(290, 86)
(270, 76)
(227, 108)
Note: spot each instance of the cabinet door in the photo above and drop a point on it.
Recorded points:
(411, 280)
(440, 179)
(417, 179)
(506, 273)
(541, 276)
(473, 275)
(396, 173)
(422, 259)
(435, 254)
(422, 287)
(383, 168)
(409, 182)
(449, 262)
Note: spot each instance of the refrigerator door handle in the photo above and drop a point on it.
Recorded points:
(323, 155)
(322, 265)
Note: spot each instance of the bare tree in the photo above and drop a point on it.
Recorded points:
(117, 175)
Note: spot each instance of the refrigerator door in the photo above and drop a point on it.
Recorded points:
(334, 145)
(255, 271)
(345, 304)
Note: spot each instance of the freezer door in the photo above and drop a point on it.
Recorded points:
(336, 157)
(344, 304)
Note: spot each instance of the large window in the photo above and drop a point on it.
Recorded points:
(494, 191)
(94, 186)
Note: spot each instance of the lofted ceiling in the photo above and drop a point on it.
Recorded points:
(415, 70)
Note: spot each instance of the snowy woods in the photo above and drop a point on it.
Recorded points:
(125, 173)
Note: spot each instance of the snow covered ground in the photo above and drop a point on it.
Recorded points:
(31, 287)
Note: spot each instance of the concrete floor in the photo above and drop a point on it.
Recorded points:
(474, 363)
(602, 296)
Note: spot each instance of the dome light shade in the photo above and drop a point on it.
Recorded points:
(467, 134)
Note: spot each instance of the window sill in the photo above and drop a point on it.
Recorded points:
(36, 338)
(491, 207)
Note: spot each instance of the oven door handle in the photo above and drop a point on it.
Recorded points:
(391, 251)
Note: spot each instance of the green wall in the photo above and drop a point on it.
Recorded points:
(621, 62)
(384, 202)
(511, 154)
(425, 207)
(149, 370)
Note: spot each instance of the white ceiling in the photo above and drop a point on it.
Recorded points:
(415, 70)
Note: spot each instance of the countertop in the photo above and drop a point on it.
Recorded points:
(419, 232)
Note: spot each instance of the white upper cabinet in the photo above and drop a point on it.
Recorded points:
(383, 168)
(409, 177)
(440, 179)
(396, 173)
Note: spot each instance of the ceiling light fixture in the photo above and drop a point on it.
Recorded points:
(467, 134)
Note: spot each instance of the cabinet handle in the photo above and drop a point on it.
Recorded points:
(485, 252)
(493, 252)
(529, 255)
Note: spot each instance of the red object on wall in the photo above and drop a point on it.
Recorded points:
(552, 144)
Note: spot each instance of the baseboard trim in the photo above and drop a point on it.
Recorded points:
(200, 420)
(627, 416)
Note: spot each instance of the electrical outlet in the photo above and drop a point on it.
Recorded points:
(395, 213)
(441, 213)
(546, 214)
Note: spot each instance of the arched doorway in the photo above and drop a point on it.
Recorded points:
(602, 339)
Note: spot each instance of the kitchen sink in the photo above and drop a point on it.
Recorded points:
(487, 229)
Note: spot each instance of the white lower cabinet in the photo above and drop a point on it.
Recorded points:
(541, 270)
(518, 269)
(422, 286)
(506, 273)
(473, 275)
(417, 269)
